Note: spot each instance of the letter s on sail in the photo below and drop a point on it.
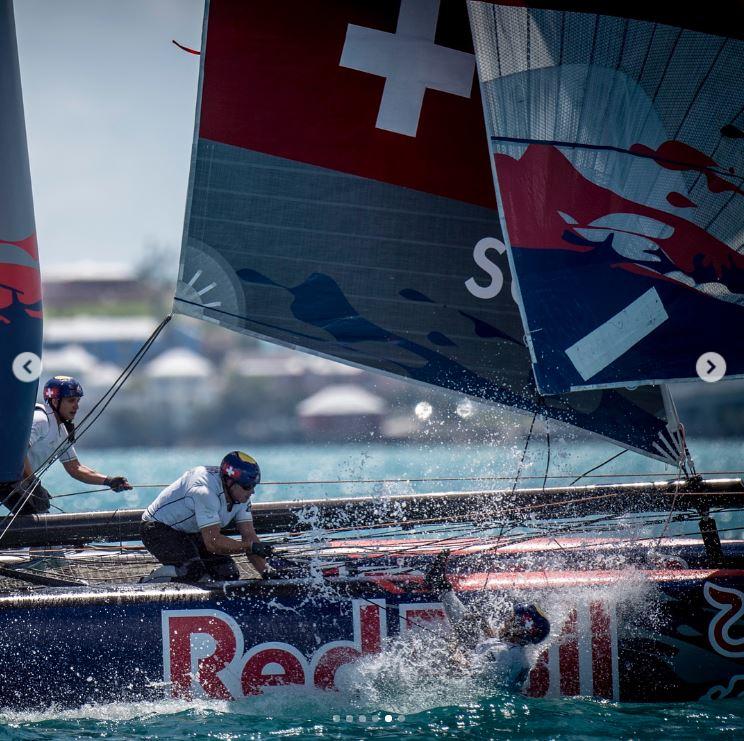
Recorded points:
(493, 270)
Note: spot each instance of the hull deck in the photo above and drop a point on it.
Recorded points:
(34, 569)
(629, 622)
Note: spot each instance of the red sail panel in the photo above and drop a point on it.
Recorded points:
(275, 82)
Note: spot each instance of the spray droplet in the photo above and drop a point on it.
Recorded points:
(423, 410)
(465, 409)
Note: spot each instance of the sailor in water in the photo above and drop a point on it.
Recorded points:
(497, 654)
(52, 433)
(181, 528)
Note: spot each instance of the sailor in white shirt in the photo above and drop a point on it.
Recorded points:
(181, 528)
(497, 654)
(52, 433)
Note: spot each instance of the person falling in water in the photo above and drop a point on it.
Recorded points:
(498, 652)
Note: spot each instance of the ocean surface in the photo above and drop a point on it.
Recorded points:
(394, 695)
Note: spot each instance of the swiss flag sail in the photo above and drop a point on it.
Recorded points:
(341, 201)
(382, 90)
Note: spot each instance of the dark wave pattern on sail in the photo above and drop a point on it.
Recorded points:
(274, 290)
(20, 282)
(364, 250)
(618, 151)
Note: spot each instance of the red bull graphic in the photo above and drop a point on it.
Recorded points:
(392, 123)
(20, 281)
(584, 217)
(204, 653)
(584, 659)
(730, 605)
(620, 198)
(674, 640)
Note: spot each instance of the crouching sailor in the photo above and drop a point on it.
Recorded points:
(181, 528)
(52, 433)
(498, 654)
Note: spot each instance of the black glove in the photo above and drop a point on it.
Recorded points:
(117, 483)
(262, 549)
(272, 573)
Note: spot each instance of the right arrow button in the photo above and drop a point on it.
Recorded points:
(711, 367)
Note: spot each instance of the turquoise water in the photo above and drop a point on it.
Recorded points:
(408, 468)
(393, 697)
(311, 716)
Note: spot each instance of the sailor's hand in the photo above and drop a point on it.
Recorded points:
(264, 550)
(117, 483)
(271, 573)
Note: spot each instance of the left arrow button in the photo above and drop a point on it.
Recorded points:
(27, 366)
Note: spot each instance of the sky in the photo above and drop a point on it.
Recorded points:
(110, 105)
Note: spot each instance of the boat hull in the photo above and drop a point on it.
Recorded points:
(629, 636)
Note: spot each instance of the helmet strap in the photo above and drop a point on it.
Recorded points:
(55, 409)
(226, 488)
(57, 413)
(70, 427)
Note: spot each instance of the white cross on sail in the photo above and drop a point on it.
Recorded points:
(410, 61)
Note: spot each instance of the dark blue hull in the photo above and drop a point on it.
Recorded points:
(632, 636)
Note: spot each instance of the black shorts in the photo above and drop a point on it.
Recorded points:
(11, 495)
(186, 551)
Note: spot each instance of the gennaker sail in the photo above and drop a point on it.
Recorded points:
(341, 201)
(616, 132)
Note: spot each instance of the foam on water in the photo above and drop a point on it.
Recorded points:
(413, 673)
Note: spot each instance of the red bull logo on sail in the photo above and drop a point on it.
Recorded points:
(20, 282)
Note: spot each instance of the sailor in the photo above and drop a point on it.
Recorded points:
(181, 528)
(498, 654)
(53, 432)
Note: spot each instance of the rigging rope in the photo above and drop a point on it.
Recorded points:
(609, 460)
(547, 442)
(86, 423)
(433, 479)
(524, 452)
(680, 469)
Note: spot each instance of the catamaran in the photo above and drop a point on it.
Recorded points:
(534, 205)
